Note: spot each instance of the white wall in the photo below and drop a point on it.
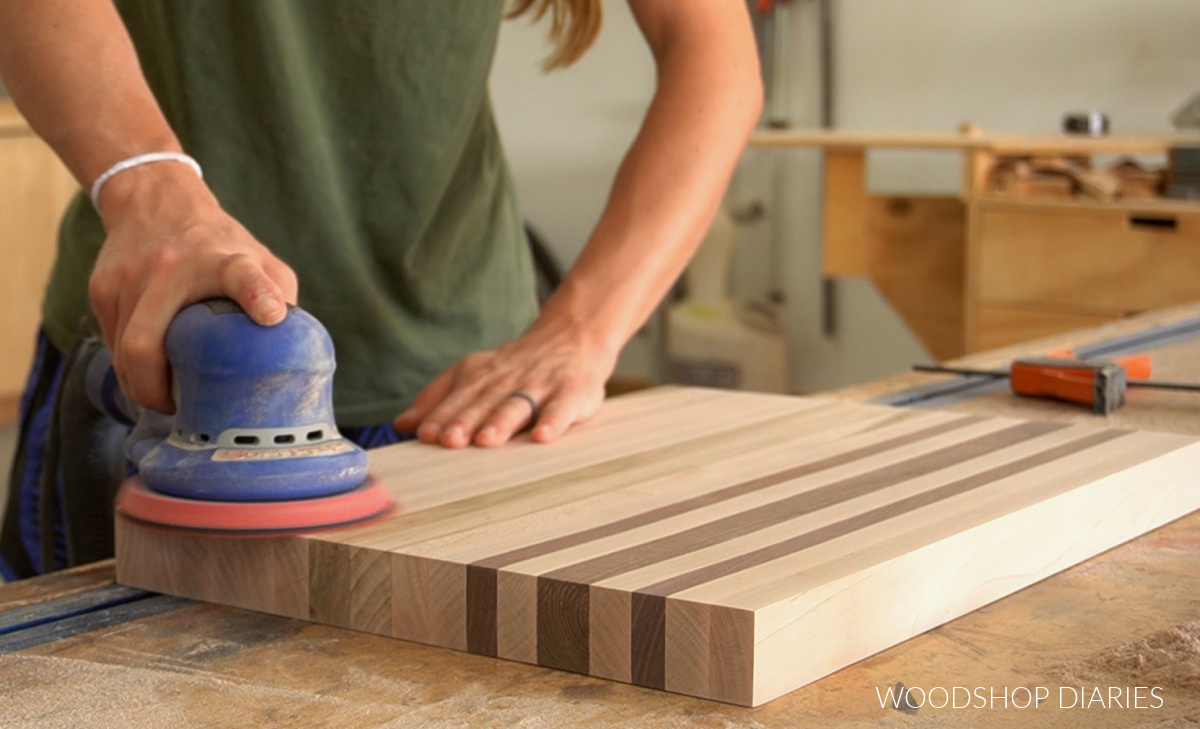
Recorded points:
(566, 132)
(1008, 65)
(1014, 65)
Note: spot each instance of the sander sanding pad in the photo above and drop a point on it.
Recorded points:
(364, 503)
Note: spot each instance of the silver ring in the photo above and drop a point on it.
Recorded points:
(533, 406)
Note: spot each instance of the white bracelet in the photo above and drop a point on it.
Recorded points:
(140, 159)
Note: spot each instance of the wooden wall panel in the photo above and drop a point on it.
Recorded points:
(725, 545)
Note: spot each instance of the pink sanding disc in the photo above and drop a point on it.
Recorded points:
(357, 506)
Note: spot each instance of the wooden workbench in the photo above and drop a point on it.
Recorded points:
(1128, 618)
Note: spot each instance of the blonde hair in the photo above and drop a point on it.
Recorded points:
(574, 25)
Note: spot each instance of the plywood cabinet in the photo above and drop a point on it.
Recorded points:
(1072, 261)
(34, 189)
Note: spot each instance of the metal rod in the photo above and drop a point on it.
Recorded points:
(942, 369)
(777, 116)
(826, 43)
(1156, 384)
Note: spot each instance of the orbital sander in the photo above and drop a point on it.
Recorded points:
(252, 447)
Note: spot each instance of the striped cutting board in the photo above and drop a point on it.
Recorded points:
(731, 546)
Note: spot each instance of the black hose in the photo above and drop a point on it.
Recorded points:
(86, 456)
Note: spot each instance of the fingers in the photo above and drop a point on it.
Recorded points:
(135, 323)
(284, 277)
(427, 399)
(133, 326)
(145, 275)
(452, 410)
(487, 398)
(488, 419)
(560, 413)
(105, 300)
(449, 409)
(512, 414)
(506, 420)
(139, 357)
(459, 416)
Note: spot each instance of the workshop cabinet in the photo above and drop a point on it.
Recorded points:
(1052, 266)
(34, 190)
(1047, 233)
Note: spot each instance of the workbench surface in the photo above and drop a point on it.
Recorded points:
(1128, 618)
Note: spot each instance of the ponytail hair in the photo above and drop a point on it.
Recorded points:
(574, 25)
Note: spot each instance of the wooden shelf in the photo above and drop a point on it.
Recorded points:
(839, 139)
(1000, 144)
(1013, 144)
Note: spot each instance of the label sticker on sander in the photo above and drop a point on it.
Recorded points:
(273, 454)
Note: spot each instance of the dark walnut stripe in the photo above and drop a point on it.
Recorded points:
(631, 468)
(562, 625)
(648, 640)
(481, 589)
(650, 622)
(635, 521)
(563, 631)
(658, 621)
(329, 583)
(738, 525)
(481, 610)
(742, 562)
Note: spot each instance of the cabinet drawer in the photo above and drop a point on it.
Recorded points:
(1101, 261)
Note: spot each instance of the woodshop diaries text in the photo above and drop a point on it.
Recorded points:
(912, 698)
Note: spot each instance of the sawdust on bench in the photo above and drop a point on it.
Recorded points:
(1169, 658)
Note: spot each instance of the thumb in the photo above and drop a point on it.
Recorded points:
(245, 282)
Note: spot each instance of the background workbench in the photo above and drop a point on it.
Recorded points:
(1005, 260)
(77, 651)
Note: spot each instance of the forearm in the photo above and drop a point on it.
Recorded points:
(72, 71)
(672, 179)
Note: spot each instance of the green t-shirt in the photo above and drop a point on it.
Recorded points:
(355, 138)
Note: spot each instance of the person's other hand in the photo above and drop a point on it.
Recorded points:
(169, 244)
(473, 400)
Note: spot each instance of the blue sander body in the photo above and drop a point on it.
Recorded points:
(252, 445)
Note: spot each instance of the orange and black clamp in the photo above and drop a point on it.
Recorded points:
(1100, 384)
